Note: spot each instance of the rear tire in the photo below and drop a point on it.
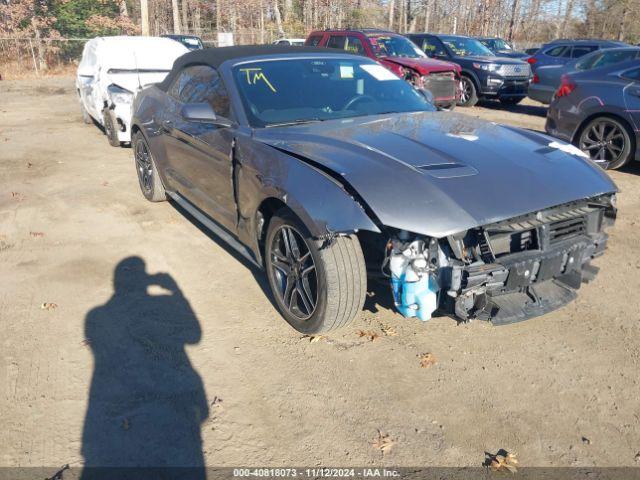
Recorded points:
(148, 176)
(607, 142)
(468, 93)
(110, 127)
(333, 290)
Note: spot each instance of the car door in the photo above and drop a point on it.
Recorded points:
(199, 154)
(632, 95)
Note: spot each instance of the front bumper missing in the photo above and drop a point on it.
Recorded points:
(541, 277)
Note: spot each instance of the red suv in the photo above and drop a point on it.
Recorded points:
(399, 55)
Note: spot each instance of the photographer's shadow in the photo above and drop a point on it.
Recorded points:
(146, 401)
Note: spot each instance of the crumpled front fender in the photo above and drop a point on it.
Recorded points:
(322, 202)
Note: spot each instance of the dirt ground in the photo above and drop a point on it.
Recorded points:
(216, 374)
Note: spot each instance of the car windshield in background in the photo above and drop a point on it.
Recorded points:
(498, 44)
(394, 46)
(192, 42)
(290, 91)
(466, 47)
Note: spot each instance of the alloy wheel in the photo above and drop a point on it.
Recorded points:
(294, 272)
(144, 166)
(465, 90)
(603, 141)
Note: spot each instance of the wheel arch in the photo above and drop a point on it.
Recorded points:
(473, 77)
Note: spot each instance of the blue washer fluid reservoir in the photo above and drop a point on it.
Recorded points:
(415, 290)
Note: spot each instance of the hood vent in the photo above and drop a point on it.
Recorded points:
(448, 170)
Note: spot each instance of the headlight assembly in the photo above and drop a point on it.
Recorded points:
(489, 67)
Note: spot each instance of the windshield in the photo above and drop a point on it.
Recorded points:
(300, 90)
(497, 44)
(466, 47)
(394, 46)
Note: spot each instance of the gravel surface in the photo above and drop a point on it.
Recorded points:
(131, 337)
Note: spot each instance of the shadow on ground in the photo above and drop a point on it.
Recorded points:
(146, 401)
(536, 110)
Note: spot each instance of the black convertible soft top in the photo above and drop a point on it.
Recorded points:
(214, 57)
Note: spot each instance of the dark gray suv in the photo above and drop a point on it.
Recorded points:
(484, 74)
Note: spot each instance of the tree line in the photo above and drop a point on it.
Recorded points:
(259, 21)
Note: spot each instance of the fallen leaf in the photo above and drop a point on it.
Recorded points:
(29, 164)
(388, 331)
(86, 342)
(427, 359)
(105, 184)
(17, 196)
(314, 338)
(36, 234)
(502, 461)
(48, 306)
(586, 441)
(217, 403)
(383, 442)
(368, 334)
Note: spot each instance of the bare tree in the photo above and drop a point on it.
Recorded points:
(176, 16)
(144, 17)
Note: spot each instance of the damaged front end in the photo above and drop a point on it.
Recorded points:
(504, 272)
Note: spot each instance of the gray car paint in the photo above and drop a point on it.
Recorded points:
(438, 174)
(549, 77)
(433, 173)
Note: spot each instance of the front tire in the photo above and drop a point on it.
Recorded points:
(468, 92)
(148, 176)
(110, 127)
(317, 285)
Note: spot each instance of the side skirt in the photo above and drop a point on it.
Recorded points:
(216, 229)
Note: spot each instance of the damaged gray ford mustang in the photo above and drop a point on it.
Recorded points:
(326, 169)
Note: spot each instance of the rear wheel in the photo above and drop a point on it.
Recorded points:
(318, 286)
(148, 177)
(607, 142)
(468, 92)
(110, 127)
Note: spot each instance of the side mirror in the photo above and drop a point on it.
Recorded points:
(202, 112)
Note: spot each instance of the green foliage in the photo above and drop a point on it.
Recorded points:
(72, 15)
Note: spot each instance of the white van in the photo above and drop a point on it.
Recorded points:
(112, 70)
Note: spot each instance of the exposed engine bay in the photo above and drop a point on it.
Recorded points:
(504, 272)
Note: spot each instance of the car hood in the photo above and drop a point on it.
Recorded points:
(438, 173)
(423, 65)
(496, 59)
